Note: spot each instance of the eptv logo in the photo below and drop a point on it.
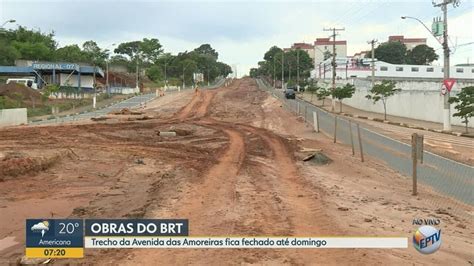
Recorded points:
(427, 239)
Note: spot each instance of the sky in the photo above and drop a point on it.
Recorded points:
(241, 31)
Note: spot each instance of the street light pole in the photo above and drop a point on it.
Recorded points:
(107, 86)
(298, 69)
(446, 51)
(282, 68)
(447, 106)
(8, 21)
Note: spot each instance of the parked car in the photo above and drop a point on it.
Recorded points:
(290, 94)
(25, 81)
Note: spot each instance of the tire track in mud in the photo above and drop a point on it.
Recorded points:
(247, 192)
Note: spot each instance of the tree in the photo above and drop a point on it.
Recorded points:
(273, 52)
(253, 72)
(150, 50)
(70, 53)
(391, 52)
(421, 55)
(312, 88)
(94, 53)
(131, 49)
(381, 92)
(343, 92)
(465, 104)
(155, 73)
(206, 49)
(322, 93)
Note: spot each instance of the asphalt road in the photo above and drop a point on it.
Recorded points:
(452, 178)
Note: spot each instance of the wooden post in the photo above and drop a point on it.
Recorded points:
(298, 108)
(335, 128)
(352, 140)
(360, 144)
(414, 138)
(315, 121)
(305, 109)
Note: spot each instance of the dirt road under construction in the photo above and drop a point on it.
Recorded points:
(234, 169)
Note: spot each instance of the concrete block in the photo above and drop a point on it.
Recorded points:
(13, 117)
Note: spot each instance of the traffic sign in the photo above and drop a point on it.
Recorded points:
(449, 83)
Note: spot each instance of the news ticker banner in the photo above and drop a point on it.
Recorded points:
(67, 238)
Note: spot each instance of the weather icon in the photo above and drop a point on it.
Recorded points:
(41, 227)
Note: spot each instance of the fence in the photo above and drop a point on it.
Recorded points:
(444, 175)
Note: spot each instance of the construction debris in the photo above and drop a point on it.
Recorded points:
(101, 118)
(166, 133)
(126, 111)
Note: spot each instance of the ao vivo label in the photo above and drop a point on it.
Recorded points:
(427, 238)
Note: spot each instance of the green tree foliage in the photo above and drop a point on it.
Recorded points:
(322, 93)
(23, 43)
(391, 52)
(274, 52)
(421, 55)
(343, 92)
(206, 49)
(70, 53)
(94, 54)
(464, 104)
(293, 60)
(155, 73)
(253, 72)
(381, 92)
(312, 88)
(130, 49)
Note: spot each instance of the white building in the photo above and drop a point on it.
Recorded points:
(410, 43)
(323, 45)
(347, 68)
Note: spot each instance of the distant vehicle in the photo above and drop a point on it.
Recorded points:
(293, 88)
(27, 82)
(290, 94)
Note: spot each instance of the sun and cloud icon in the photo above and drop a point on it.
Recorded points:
(41, 227)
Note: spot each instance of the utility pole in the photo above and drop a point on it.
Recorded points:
(447, 106)
(372, 42)
(334, 30)
(274, 72)
(137, 75)
(298, 69)
(282, 68)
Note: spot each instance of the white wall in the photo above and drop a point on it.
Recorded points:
(417, 100)
(86, 81)
(13, 117)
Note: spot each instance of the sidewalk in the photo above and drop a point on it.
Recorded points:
(85, 108)
(414, 123)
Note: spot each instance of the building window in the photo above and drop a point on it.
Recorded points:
(472, 70)
(459, 70)
(383, 68)
(399, 69)
(429, 69)
(414, 69)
